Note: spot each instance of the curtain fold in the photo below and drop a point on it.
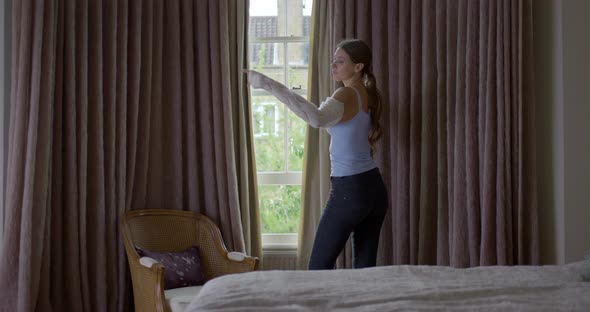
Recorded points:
(243, 135)
(457, 154)
(119, 105)
(316, 160)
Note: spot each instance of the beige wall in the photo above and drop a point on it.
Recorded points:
(562, 68)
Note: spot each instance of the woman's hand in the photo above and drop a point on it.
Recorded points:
(245, 71)
(255, 79)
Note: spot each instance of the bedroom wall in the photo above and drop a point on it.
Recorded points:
(562, 68)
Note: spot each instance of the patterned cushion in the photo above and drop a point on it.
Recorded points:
(183, 268)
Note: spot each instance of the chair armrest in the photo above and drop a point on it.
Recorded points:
(237, 262)
(215, 258)
(250, 263)
(236, 256)
(148, 284)
(222, 262)
(147, 261)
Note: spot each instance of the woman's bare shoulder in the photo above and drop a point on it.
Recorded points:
(344, 94)
(347, 95)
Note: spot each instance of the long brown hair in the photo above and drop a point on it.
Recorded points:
(359, 52)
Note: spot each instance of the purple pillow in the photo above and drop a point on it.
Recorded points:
(183, 268)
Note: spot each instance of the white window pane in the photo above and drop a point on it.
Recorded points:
(278, 36)
(269, 133)
(265, 16)
(279, 18)
(307, 6)
(269, 59)
(263, 8)
(296, 134)
(279, 208)
(292, 22)
(297, 62)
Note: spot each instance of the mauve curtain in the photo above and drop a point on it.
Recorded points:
(118, 105)
(243, 135)
(457, 154)
(316, 160)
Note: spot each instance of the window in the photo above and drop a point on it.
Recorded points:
(266, 119)
(279, 44)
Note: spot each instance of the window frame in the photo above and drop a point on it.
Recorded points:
(285, 241)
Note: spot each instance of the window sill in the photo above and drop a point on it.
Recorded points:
(279, 242)
(279, 247)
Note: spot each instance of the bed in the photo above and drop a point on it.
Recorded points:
(400, 288)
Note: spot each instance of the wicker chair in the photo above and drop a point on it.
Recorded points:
(168, 231)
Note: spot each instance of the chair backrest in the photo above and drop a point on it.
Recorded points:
(161, 230)
(167, 230)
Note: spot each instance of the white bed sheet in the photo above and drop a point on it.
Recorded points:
(400, 288)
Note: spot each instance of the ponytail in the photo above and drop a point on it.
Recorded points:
(375, 108)
(360, 52)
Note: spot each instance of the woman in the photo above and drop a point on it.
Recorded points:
(358, 198)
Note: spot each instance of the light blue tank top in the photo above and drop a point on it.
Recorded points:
(350, 152)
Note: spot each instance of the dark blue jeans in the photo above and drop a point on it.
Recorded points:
(357, 206)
